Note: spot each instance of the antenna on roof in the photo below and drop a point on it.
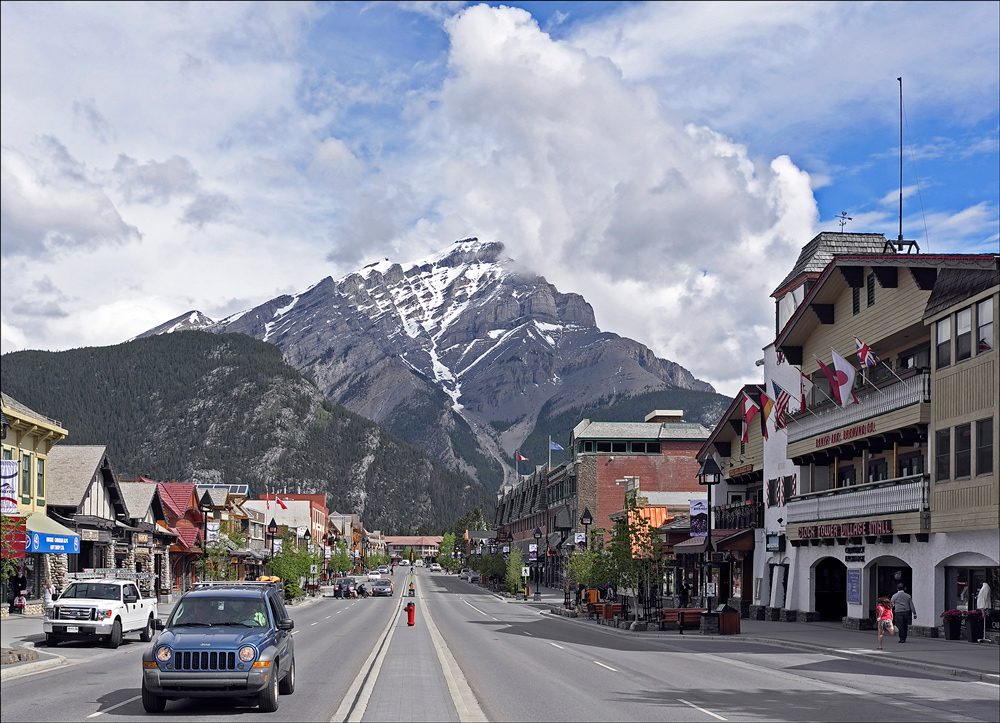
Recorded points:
(901, 243)
(843, 218)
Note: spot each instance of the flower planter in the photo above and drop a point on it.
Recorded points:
(952, 628)
(973, 628)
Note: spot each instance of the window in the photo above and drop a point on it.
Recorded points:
(772, 492)
(916, 358)
(871, 289)
(942, 455)
(40, 479)
(963, 451)
(984, 321)
(984, 446)
(856, 301)
(878, 470)
(963, 334)
(652, 447)
(943, 343)
(604, 446)
(743, 448)
(911, 464)
(8, 453)
(586, 446)
(619, 447)
(26, 475)
(846, 476)
(789, 487)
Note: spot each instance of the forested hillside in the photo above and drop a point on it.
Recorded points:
(202, 407)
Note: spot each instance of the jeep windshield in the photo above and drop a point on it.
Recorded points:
(219, 611)
(92, 591)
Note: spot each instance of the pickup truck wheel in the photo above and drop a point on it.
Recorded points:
(151, 702)
(147, 632)
(115, 639)
(51, 640)
(268, 699)
(287, 684)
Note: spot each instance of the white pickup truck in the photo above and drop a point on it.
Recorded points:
(100, 605)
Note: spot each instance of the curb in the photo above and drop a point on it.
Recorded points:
(963, 673)
(20, 670)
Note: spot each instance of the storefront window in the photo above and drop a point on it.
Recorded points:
(963, 585)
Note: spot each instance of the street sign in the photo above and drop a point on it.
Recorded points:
(314, 569)
(525, 571)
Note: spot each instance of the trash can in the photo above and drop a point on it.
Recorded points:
(729, 620)
(974, 627)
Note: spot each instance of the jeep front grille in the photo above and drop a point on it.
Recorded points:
(204, 660)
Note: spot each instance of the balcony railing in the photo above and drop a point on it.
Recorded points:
(903, 494)
(876, 401)
(738, 517)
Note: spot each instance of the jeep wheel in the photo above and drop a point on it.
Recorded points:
(115, 639)
(151, 702)
(287, 684)
(268, 699)
(147, 632)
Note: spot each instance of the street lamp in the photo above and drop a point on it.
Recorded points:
(709, 475)
(307, 537)
(205, 506)
(586, 519)
(538, 591)
(272, 528)
(364, 553)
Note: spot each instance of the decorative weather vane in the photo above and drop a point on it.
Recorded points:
(843, 218)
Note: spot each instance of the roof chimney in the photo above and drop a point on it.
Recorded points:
(665, 416)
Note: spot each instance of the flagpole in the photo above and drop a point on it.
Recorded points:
(550, 452)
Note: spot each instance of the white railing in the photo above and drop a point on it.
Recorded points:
(903, 494)
(871, 403)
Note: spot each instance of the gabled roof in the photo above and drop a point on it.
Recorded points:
(138, 497)
(956, 285)
(734, 408)
(818, 253)
(71, 470)
(176, 496)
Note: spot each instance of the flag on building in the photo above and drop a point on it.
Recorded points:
(846, 371)
(750, 410)
(554, 446)
(805, 387)
(781, 399)
(866, 357)
(766, 407)
(281, 504)
(521, 458)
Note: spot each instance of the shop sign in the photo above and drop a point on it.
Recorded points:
(737, 471)
(846, 529)
(90, 535)
(142, 538)
(774, 543)
(854, 554)
(843, 435)
(854, 587)
(45, 542)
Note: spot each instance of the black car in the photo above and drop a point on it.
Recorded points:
(222, 640)
(382, 587)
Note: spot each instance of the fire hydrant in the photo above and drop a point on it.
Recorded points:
(410, 612)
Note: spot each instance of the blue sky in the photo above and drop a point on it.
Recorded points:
(666, 160)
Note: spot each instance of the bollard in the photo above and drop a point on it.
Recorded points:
(410, 613)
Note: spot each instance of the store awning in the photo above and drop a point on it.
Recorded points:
(721, 540)
(46, 535)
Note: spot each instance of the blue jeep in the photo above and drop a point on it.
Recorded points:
(223, 639)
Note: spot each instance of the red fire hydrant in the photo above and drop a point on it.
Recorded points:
(410, 612)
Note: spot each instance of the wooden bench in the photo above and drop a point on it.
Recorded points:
(681, 617)
(612, 610)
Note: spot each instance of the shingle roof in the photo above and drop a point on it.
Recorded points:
(176, 496)
(955, 285)
(20, 409)
(138, 497)
(641, 430)
(71, 468)
(817, 254)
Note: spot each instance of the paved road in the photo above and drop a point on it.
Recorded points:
(472, 656)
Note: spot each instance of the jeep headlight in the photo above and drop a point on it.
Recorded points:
(163, 654)
(247, 653)
(103, 614)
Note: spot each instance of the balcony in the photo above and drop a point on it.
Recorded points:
(903, 494)
(747, 516)
(872, 401)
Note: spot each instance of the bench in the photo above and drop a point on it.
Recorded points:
(612, 610)
(681, 617)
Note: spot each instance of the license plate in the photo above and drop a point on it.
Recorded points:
(72, 629)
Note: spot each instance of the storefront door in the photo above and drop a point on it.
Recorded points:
(831, 589)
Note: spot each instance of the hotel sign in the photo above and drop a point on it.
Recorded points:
(845, 435)
(846, 529)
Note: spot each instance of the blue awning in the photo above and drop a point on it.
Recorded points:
(46, 535)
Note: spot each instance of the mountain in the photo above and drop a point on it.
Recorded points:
(461, 354)
(191, 321)
(199, 407)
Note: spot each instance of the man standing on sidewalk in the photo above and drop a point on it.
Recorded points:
(903, 611)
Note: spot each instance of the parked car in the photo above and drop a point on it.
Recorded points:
(383, 588)
(465, 574)
(98, 606)
(435, 567)
(222, 639)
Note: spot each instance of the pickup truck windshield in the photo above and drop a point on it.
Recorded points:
(202, 611)
(92, 590)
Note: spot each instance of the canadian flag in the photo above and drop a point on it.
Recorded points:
(521, 458)
(750, 410)
(281, 504)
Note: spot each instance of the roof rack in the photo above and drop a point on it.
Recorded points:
(108, 573)
(233, 583)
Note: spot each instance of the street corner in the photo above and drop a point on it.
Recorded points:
(19, 662)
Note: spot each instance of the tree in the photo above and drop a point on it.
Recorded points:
(291, 564)
(8, 523)
(446, 550)
(632, 549)
(514, 563)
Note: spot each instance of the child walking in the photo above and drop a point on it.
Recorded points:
(883, 617)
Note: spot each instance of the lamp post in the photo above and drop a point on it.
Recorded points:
(326, 564)
(272, 528)
(586, 519)
(538, 574)
(308, 537)
(364, 553)
(709, 475)
(205, 506)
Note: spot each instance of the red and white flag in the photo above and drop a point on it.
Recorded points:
(805, 386)
(521, 458)
(750, 410)
(281, 504)
(841, 379)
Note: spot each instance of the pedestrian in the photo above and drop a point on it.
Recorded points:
(903, 611)
(683, 596)
(47, 593)
(883, 619)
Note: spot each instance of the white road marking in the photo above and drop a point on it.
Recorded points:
(311, 624)
(706, 712)
(295, 632)
(557, 646)
(527, 633)
(119, 705)
(605, 666)
(985, 682)
(478, 610)
(339, 612)
(327, 617)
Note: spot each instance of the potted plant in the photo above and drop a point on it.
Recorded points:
(974, 626)
(952, 624)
